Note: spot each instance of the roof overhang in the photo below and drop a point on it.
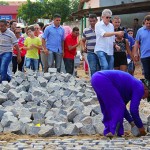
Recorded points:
(116, 9)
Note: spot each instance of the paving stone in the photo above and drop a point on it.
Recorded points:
(46, 131)
(13, 95)
(7, 119)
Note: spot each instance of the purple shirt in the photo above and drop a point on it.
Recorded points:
(130, 89)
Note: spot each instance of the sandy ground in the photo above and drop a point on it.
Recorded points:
(8, 137)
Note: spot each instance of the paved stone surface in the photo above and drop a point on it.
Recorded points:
(142, 143)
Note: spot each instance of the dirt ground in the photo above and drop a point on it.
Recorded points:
(8, 137)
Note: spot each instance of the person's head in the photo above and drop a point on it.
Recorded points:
(37, 29)
(57, 20)
(116, 22)
(147, 21)
(92, 20)
(106, 16)
(30, 31)
(13, 24)
(146, 89)
(130, 31)
(3, 25)
(75, 31)
(17, 32)
(136, 20)
(41, 24)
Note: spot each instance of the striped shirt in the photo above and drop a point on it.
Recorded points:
(90, 36)
(7, 41)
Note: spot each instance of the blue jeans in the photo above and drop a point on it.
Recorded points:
(54, 60)
(93, 62)
(5, 59)
(32, 63)
(146, 67)
(106, 61)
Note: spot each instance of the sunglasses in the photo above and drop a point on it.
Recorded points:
(36, 28)
(17, 33)
(108, 17)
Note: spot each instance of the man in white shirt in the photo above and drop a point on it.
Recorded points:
(105, 38)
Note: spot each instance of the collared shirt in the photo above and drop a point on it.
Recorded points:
(7, 41)
(54, 37)
(90, 36)
(143, 36)
(104, 44)
(70, 40)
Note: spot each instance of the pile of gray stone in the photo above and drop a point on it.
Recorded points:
(48, 104)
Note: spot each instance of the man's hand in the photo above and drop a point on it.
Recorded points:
(142, 131)
(18, 59)
(120, 33)
(117, 48)
(46, 51)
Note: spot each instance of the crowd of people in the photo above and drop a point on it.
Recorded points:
(107, 47)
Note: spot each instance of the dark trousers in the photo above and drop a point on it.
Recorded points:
(15, 64)
(146, 67)
(69, 65)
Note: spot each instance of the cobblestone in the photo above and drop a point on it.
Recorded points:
(142, 143)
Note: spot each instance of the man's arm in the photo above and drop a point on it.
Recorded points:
(71, 47)
(135, 51)
(18, 53)
(83, 44)
(44, 46)
(108, 34)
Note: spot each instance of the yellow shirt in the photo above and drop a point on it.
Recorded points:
(32, 53)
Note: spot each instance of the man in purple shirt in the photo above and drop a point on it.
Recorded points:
(114, 90)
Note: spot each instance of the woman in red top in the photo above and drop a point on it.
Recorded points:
(15, 64)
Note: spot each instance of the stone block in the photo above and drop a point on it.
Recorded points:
(88, 129)
(78, 118)
(7, 103)
(87, 120)
(71, 130)
(32, 130)
(42, 81)
(25, 120)
(7, 119)
(1, 113)
(135, 131)
(13, 95)
(52, 70)
(72, 114)
(3, 98)
(46, 131)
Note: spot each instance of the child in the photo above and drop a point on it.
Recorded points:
(32, 44)
(120, 57)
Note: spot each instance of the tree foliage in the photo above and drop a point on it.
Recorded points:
(31, 11)
(4, 3)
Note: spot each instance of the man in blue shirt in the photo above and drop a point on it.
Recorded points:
(52, 41)
(143, 39)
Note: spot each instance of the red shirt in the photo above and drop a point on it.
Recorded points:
(20, 44)
(70, 41)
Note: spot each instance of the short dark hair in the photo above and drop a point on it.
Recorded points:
(3, 21)
(136, 19)
(31, 28)
(41, 24)
(57, 16)
(75, 29)
(11, 22)
(93, 16)
(147, 18)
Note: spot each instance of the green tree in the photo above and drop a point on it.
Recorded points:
(4, 3)
(31, 11)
